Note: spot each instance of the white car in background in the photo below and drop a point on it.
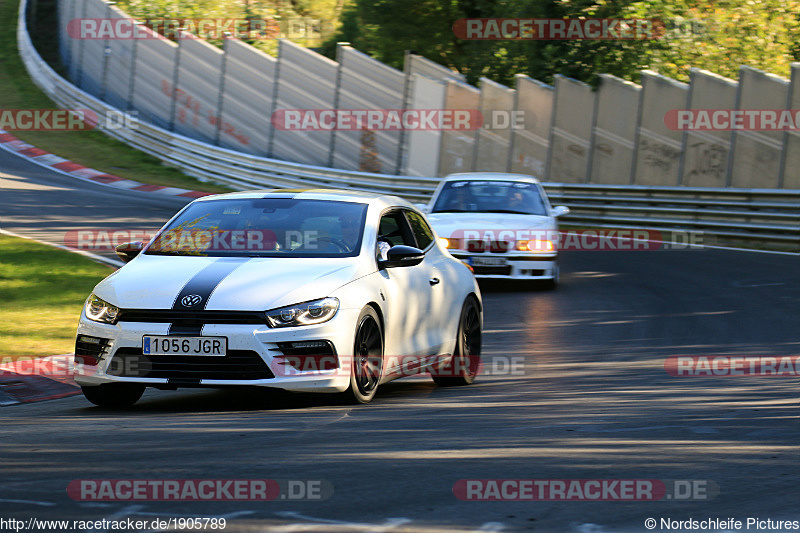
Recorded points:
(500, 224)
(313, 291)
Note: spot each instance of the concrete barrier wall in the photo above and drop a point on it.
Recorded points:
(494, 138)
(657, 153)
(197, 97)
(91, 52)
(757, 154)
(247, 98)
(705, 160)
(306, 80)
(530, 146)
(570, 133)
(424, 146)
(614, 132)
(154, 80)
(365, 83)
(457, 148)
(119, 68)
(790, 178)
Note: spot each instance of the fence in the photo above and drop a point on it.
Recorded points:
(755, 216)
(615, 135)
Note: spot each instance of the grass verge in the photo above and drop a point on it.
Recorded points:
(90, 148)
(42, 290)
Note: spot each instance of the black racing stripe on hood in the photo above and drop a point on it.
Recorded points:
(195, 294)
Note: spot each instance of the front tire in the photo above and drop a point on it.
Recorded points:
(114, 394)
(465, 363)
(367, 362)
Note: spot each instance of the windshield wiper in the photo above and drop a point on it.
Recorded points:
(510, 211)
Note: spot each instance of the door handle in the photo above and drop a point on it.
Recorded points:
(434, 281)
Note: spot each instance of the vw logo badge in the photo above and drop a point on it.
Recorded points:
(190, 300)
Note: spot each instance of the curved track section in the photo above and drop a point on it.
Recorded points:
(576, 389)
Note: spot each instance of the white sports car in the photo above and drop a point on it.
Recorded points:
(501, 224)
(315, 291)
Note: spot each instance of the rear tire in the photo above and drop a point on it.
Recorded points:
(367, 363)
(114, 394)
(465, 363)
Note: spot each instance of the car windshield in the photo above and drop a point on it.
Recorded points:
(264, 227)
(472, 196)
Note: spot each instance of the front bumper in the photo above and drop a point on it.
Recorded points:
(511, 265)
(257, 356)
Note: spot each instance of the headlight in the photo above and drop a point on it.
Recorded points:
(539, 246)
(303, 314)
(100, 310)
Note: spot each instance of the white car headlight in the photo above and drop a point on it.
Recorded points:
(304, 314)
(100, 310)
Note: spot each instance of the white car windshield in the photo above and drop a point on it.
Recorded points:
(472, 196)
(264, 227)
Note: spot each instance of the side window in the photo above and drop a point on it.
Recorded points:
(422, 232)
(389, 229)
(394, 229)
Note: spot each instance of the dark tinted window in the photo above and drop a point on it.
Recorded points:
(422, 232)
(264, 227)
(473, 196)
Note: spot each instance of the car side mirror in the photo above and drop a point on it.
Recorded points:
(401, 256)
(127, 251)
(560, 211)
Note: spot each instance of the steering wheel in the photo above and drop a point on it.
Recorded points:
(340, 244)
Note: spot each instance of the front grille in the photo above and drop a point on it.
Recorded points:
(192, 318)
(237, 364)
(492, 270)
(497, 247)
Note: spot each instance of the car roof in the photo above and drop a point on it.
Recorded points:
(337, 195)
(490, 176)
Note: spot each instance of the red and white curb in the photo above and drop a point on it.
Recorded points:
(36, 379)
(11, 144)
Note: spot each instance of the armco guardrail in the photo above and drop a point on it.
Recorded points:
(756, 215)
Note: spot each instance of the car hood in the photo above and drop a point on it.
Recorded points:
(230, 284)
(448, 224)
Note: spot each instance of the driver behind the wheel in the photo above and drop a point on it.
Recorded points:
(351, 229)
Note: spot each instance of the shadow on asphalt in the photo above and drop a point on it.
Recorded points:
(257, 399)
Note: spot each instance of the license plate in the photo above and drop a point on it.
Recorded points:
(164, 345)
(489, 261)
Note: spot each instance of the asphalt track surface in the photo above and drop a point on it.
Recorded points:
(592, 401)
